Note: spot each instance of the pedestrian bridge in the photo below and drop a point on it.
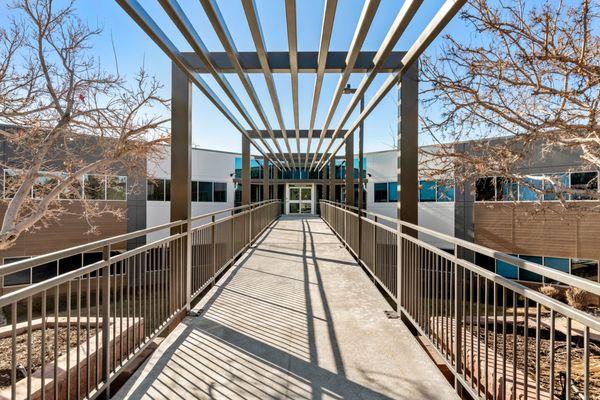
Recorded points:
(248, 304)
(295, 318)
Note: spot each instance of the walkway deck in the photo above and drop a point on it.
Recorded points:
(295, 318)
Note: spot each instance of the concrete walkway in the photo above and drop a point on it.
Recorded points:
(295, 318)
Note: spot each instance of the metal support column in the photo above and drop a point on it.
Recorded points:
(266, 180)
(245, 171)
(332, 179)
(275, 184)
(350, 171)
(408, 160)
(361, 168)
(181, 169)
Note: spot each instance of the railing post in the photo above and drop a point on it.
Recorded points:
(359, 234)
(374, 245)
(214, 248)
(106, 321)
(231, 235)
(457, 322)
(188, 265)
(345, 225)
(250, 225)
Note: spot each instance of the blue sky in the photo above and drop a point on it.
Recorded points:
(211, 130)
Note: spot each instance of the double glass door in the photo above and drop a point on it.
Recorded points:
(300, 199)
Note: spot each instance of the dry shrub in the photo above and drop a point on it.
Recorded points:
(552, 292)
(576, 298)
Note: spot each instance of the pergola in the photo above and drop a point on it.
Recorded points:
(188, 68)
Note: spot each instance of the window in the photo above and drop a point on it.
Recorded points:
(156, 190)
(167, 190)
(427, 192)
(485, 261)
(527, 189)
(485, 189)
(507, 270)
(74, 191)
(17, 278)
(550, 189)
(445, 191)
(194, 191)
(43, 185)
(205, 191)
(560, 264)
(506, 189)
(10, 183)
(220, 192)
(255, 193)
(44, 272)
(525, 275)
(116, 188)
(393, 191)
(70, 263)
(380, 192)
(585, 268)
(585, 181)
(94, 187)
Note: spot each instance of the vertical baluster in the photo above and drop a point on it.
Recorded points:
(538, 340)
(568, 366)
(56, 312)
(458, 283)
(43, 346)
(504, 334)
(106, 320)
(526, 350)
(586, 363)
(68, 340)
(13, 364)
(29, 349)
(485, 338)
(495, 340)
(514, 349)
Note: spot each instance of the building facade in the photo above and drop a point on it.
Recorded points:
(490, 212)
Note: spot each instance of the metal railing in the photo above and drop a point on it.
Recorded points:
(70, 335)
(499, 338)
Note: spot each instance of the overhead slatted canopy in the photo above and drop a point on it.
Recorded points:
(263, 136)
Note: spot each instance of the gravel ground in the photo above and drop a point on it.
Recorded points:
(560, 360)
(36, 349)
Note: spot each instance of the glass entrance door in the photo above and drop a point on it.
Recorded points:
(300, 199)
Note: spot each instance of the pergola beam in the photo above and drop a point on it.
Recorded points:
(279, 62)
(179, 18)
(435, 26)
(402, 20)
(151, 28)
(290, 16)
(216, 19)
(302, 133)
(259, 43)
(362, 29)
(326, 29)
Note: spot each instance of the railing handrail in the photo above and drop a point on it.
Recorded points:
(231, 209)
(563, 277)
(82, 248)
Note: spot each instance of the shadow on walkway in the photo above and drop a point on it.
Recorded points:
(308, 325)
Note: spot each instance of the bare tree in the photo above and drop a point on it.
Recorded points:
(64, 117)
(529, 87)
